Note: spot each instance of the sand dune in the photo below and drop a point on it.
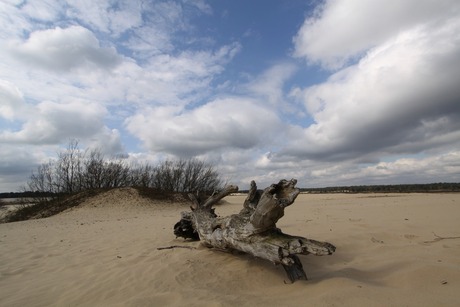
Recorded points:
(392, 250)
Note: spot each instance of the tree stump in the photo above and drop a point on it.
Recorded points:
(253, 230)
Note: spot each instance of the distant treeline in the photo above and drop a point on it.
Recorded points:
(27, 194)
(394, 188)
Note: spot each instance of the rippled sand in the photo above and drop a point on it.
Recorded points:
(392, 250)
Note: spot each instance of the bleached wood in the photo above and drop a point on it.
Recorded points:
(253, 230)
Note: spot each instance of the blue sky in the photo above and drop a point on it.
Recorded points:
(329, 92)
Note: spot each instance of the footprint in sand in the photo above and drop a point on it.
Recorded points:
(410, 237)
(376, 241)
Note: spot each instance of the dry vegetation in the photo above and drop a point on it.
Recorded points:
(77, 170)
(77, 174)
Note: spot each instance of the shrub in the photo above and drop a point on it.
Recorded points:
(75, 170)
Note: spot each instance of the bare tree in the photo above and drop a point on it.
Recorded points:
(43, 180)
(69, 168)
(186, 176)
(142, 175)
(94, 169)
(116, 174)
(75, 170)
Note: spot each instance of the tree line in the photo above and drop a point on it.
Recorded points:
(392, 188)
(75, 170)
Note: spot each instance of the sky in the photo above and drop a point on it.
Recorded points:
(332, 93)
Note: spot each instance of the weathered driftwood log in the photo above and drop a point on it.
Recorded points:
(253, 230)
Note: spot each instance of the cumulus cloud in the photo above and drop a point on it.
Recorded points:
(341, 30)
(402, 170)
(421, 168)
(64, 73)
(392, 89)
(16, 163)
(223, 123)
(401, 97)
(58, 104)
(52, 123)
(106, 140)
(64, 49)
(12, 100)
(269, 85)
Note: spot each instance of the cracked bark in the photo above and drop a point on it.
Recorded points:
(253, 230)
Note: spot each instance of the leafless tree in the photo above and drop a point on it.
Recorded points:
(186, 176)
(43, 180)
(142, 175)
(94, 169)
(69, 168)
(75, 170)
(116, 174)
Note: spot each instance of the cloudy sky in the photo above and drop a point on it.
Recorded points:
(335, 92)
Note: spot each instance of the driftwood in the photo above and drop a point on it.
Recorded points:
(253, 230)
(175, 246)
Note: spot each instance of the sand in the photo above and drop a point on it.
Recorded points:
(390, 252)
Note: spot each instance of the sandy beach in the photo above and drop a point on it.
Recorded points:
(392, 250)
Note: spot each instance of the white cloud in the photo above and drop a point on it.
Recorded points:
(341, 30)
(12, 100)
(402, 97)
(269, 85)
(201, 5)
(161, 22)
(95, 14)
(191, 64)
(12, 22)
(43, 10)
(108, 141)
(164, 80)
(113, 17)
(127, 16)
(65, 49)
(394, 89)
(62, 106)
(403, 170)
(53, 123)
(223, 123)
(17, 163)
(436, 167)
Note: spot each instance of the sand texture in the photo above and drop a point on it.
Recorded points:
(392, 250)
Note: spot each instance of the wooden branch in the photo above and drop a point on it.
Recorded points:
(295, 271)
(216, 198)
(439, 238)
(194, 200)
(270, 207)
(253, 230)
(252, 199)
(175, 246)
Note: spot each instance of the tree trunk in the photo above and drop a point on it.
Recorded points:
(253, 230)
